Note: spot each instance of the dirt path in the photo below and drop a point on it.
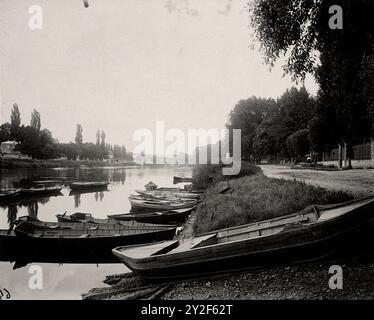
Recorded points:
(359, 181)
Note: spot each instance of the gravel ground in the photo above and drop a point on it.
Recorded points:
(293, 282)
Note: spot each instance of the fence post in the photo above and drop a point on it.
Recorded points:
(345, 155)
(340, 160)
(372, 149)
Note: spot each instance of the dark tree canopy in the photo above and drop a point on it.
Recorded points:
(247, 115)
(341, 60)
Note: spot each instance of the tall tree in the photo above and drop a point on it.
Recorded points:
(98, 137)
(103, 136)
(79, 135)
(338, 58)
(15, 121)
(35, 120)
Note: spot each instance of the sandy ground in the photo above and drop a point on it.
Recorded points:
(358, 181)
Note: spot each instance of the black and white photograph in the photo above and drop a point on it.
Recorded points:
(164, 151)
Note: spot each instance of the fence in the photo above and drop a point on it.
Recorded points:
(360, 152)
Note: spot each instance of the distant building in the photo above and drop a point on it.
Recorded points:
(7, 150)
(8, 147)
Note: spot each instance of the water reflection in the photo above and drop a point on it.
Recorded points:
(12, 215)
(77, 200)
(32, 209)
(99, 203)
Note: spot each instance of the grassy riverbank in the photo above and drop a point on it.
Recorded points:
(253, 197)
(33, 163)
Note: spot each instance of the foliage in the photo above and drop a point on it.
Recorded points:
(247, 115)
(35, 120)
(298, 143)
(266, 124)
(40, 144)
(15, 121)
(340, 60)
(79, 134)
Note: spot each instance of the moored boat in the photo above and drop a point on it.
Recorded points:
(87, 241)
(88, 185)
(41, 190)
(159, 205)
(181, 179)
(310, 234)
(168, 194)
(166, 217)
(106, 224)
(9, 194)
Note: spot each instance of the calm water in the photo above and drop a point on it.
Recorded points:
(68, 281)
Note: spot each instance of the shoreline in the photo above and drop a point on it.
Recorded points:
(8, 163)
(301, 281)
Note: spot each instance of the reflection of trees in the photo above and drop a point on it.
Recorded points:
(32, 209)
(96, 196)
(77, 200)
(101, 194)
(12, 214)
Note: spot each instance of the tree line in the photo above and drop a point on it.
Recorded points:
(278, 129)
(342, 63)
(40, 144)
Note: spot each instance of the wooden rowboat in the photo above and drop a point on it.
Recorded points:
(41, 191)
(156, 205)
(97, 242)
(181, 179)
(80, 217)
(309, 234)
(9, 194)
(106, 224)
(168, 194)
(88, 185)
(166, 217)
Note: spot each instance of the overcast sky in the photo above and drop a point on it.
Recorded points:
(120, 65)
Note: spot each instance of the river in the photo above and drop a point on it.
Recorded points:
(68, 281)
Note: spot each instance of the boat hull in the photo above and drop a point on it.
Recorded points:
(296, 243)
(88, 187)
(25, 248)
(146, 206)
(167, 217)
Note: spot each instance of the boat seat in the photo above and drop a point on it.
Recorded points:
(151, 250)
(54, 227)
(194, 243)
(86, 235)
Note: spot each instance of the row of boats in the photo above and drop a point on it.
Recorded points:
(12, 194)
(80, 237)
(146, 240)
